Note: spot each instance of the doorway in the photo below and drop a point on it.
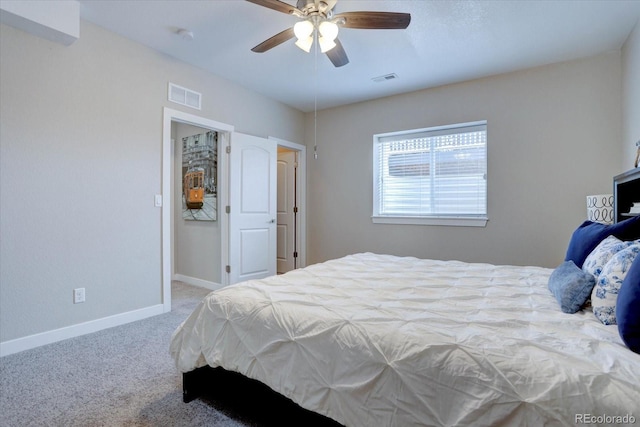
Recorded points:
(197, 231)
(264, 217)
(169, 195)
(291, 206)
(287, 211)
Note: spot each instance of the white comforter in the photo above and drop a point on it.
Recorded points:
(378, 340)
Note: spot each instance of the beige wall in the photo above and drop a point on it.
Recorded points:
(80, 162)
(553, 138)
(631, 97)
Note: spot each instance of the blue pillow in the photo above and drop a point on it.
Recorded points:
(604, 297)
(586, 237)
(628, 307)
(571, 286)
(602, 254)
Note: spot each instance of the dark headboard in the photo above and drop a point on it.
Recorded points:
(626, 192)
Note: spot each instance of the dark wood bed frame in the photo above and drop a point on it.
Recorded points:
(247, 399)
(195, 382)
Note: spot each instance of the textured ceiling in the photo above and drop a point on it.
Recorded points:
(446, 42)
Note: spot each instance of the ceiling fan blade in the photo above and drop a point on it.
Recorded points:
(375, 20)
(337, 55)
(274, 41)
(280, 6)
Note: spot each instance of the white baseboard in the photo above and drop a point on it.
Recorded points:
(197, 282)
(49, 337)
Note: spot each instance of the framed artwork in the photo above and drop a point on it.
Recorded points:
(200, 177)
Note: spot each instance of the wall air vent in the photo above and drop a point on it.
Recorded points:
(384, 78)
(183, 96)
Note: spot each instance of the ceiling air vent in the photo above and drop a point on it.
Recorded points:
(385, 78)
(183, 96)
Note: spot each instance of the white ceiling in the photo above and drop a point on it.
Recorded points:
(446, 42)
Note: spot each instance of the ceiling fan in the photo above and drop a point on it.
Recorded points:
(318, 21)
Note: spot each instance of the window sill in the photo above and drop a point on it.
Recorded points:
(442, 221)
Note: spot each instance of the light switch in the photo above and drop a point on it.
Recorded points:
(158, 200)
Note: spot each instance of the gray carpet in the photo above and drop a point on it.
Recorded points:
(123, 376)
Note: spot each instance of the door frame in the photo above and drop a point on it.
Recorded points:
(170, 115)
(301, 197)
(168, 164)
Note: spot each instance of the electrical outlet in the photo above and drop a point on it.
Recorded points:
(78, 295)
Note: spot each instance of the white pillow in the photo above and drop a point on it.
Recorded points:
(605, 293)
(600, 256)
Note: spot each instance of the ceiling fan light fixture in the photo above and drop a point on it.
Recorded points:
(303, 29)
(326, 44)
(328, 30)
(305, 44)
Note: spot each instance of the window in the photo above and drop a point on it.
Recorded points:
(431, 176)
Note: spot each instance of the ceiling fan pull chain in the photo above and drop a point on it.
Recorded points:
(315, 98)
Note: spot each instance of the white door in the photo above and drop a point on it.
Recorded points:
(252, 208)
(286, 204)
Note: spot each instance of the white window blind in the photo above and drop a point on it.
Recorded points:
(436, 173)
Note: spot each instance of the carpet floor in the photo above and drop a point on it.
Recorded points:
(124, 376)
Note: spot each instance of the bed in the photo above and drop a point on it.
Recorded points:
(381, 340)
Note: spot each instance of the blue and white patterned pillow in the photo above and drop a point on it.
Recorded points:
(600, 256)
(605, 294)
